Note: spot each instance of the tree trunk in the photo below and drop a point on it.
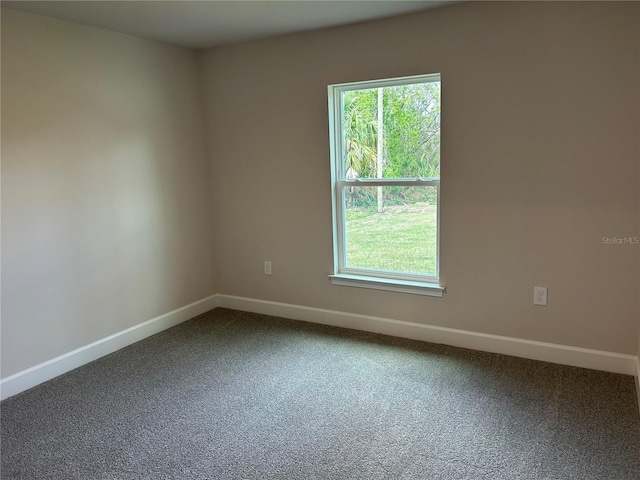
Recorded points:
(379, 161)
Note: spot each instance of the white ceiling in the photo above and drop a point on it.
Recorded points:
(204, 24)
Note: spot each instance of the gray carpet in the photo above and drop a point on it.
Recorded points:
(232, 395)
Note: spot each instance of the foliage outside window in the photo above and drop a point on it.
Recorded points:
(385, 148)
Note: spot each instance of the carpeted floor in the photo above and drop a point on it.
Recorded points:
(233, 395)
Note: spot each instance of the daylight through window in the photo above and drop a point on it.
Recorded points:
(385, 148)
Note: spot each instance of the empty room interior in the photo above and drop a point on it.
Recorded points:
(184, 210)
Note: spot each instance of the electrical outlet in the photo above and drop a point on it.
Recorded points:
(267, 267)
(539, 295)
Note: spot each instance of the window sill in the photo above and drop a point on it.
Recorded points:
(402, 286)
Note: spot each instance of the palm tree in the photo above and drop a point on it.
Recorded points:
(360, 133)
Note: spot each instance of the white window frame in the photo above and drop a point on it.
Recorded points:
(364, 277)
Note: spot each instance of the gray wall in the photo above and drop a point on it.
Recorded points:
(106, 197)
(540, 132)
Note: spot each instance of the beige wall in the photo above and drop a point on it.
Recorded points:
(106, 187)
(106, 214)
(540, 161)
(638, 379)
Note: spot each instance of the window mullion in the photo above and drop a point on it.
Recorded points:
(399, 182)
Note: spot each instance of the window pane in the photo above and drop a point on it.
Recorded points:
(392, 132)
(392, 228)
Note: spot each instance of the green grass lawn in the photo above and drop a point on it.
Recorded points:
(398, 239)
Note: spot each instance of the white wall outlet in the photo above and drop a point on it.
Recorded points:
(267, 267)
(539, 295)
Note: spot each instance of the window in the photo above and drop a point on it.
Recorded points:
(385, 169)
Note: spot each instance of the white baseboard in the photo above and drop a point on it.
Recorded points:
(638, 380)
(33, 376)
(547, 352)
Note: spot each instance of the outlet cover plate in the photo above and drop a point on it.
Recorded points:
(539, 295)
